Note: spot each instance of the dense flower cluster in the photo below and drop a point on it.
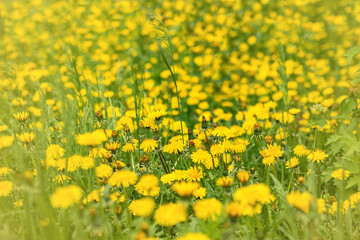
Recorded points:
(179, 119)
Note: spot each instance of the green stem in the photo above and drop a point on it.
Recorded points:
(132, 163)
(268, 183)
(176, 89)
(292, 175)
(319, 180)
(208, 144)
(282, 173)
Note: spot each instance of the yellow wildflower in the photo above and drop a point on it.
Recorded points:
(142, 207)
(317, 156)
(340, 174)
(123, 178)
(66, 197)
(170, 214)
(185, 189)
(5, 188)
(207, 209)
(148, 145)
(293, 162)
(103, 171)
(148, 185)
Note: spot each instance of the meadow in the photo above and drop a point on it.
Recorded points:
(184, 119)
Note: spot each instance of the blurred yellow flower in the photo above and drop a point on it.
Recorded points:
(170, 214)
(207, 209)
(5, 188)
(65, 197)
(123, 178)
(185, 189)
(340, 174)
(142, 207)
(148, 185)
(103, 171)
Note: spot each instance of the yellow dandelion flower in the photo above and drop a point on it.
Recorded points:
(293, 162)
(142, 207)
(66, 197)
(19, 203)
(217, 149)
(192, 236)
(99, 152)
(200, 193)
(317, 156)
(148, 145)
(249, 200)
(176, 175)
(27, 137)
(149, 122)
(148, 185)
(74, 162)
(301, 150)
(225, 181)
(54, 151)
(129, 147)
(274, 151)
(340, 174)
(268, 161)
(92, 139)
(87, 163)
(4, 171)
(3, 128)
(233, 209)
(60, 178)
(21, 116)
(93, 196)
(118, 164)
(174, 147)
(113, 146)
(60, 164)
(346, 205)
(194, 174)
(157, 114)
(185, 189)
(103, 171)
(204, 157)
(354, 198)
(300, 200)
(239, 146)
(253, 194)
(170, 214)
(220, 131)
(235, 131)
(294, 111)
(5, 188)
(243, 176)
(321, 206)
(117, 197)
(207, 209)
(6, 141)
(123, 178)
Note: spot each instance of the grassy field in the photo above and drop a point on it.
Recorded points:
(186, 119)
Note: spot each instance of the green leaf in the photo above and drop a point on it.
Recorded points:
(353, 181)
(347, 106)
(320, 122)
(279, 188)
(344, 141)
(356, 79)
(351, 53)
